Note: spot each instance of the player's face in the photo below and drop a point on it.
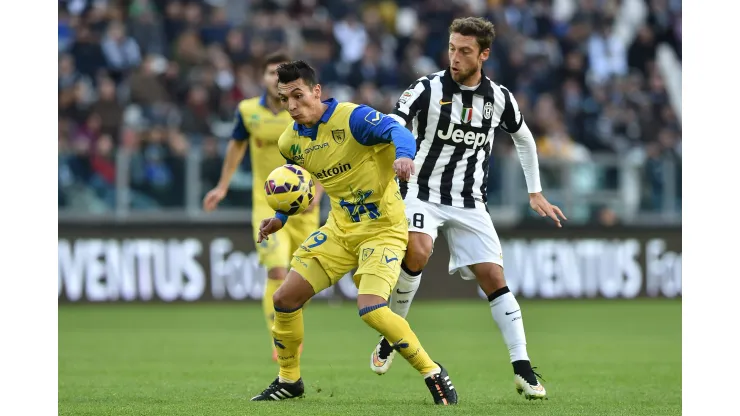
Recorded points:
(270, 79)
(302, 102)
(466, 59)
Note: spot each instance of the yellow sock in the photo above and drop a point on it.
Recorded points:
(271, 286)
(398, 332)
(287, 335)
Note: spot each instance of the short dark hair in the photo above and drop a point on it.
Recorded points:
(479, 27)
(294, 70)
(275, 58)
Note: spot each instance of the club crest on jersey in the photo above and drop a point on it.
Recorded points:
(338, 136)
(367, 252)
(467, 115)
(488, 110)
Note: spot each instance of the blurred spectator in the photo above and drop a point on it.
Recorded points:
(643, 49)
(196, 114)
(121, 51)
(87, 53)
(108, 108)
(103, 169)
(607, 54)
(146, 28)
(352, 37)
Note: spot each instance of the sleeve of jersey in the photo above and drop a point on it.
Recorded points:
(526, 148)
(410, 102)
(240, 131)
(511, 118)
(371, 127)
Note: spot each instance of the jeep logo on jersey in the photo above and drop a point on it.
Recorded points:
(470, 138)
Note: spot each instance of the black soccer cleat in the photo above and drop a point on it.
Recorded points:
(280, 391)
(440, 385)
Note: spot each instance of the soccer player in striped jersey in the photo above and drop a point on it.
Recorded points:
(454, 114)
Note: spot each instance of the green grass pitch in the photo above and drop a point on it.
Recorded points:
(597, 357)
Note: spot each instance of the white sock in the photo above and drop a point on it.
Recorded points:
(508, 317)
(404, 292)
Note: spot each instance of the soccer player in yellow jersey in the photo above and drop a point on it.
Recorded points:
(353, 150)
(259, 122)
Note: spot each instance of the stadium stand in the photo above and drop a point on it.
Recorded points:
(147, 90)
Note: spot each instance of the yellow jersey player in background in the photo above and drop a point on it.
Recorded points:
(259, 123)
(355, 152)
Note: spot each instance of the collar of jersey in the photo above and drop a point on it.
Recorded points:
(448, 75)
(311, 132)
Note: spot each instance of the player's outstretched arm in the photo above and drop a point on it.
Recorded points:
(371, 127)
(513, 123)
(234, 154)
(527, 151)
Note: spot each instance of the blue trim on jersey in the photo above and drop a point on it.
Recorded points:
(263, 100)
(312, 131)
(240, 131)
(371, 127)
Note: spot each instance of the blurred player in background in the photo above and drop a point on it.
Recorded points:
(454, 114)
(354, 151)
(259, 122)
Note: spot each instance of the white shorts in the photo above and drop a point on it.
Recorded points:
(469, 233)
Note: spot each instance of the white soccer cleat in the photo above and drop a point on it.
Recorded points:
(382, 357)
(530, 391)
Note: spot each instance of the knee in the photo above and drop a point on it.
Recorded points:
(418, 252)
(282, 299)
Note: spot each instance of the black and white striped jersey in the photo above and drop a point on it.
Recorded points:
(454, 127)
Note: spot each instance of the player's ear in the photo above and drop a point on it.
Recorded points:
(484, 55)
(317, 91)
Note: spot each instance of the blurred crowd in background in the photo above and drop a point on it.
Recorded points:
(162, 78)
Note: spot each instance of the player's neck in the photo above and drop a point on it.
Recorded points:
(473, 80)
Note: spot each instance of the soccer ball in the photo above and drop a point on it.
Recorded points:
(289, 189)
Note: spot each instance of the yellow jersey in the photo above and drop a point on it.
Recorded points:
(351, 151)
